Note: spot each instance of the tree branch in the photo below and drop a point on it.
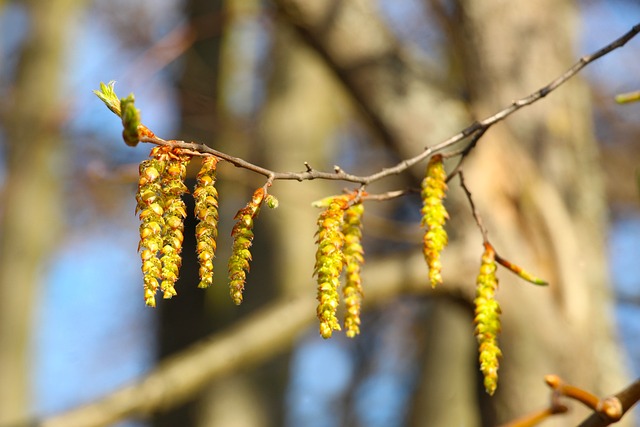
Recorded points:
(610, 409)
(256, 338)
(273, 329)
(477, 128)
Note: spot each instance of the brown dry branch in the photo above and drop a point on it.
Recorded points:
(479, 127)
(607, 410)
(625, 398)
(537, 417)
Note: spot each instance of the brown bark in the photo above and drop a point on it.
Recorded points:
(536, 179)
(298, 124)
(543, 198)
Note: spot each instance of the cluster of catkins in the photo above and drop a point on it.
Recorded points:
(339, 249)
(162, 212)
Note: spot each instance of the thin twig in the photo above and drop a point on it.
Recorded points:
(477, 129)
(463, 153)
(537, 417)
(474, 210)
(388, 195)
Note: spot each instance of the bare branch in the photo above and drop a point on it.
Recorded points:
(606, 411)
(610, 409)
(474, 210)
(477, 129)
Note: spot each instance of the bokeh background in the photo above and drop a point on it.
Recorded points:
(237, 76)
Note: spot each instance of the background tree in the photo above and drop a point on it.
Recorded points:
(338, 71)
(32, 197)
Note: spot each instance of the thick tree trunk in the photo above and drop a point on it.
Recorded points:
(535, 179)
(32, 199)
(299, 124)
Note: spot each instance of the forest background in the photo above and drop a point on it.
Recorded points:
(555, 183)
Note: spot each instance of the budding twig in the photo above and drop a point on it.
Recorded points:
(476, 129)
(607, 410)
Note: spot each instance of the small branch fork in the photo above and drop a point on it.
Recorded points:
(514, 268)
(474, 210)
(606, 411)
(476, 130)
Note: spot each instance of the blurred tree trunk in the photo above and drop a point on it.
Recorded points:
(534, 178)
(236, 399)
(299, 124)
(537, 182)
(183, 320)
(207, 98)
(32, 200)
(545, 198)
(296, 124)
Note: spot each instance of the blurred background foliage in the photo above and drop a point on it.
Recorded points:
(236, 76)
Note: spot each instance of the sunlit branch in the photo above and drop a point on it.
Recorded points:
(477, 129)
(610, 409)
(607, 410)
(535, 418)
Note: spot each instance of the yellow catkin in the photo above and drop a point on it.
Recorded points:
(174, 213)
(150, 208)
(329, 263)
(487, 319)
(242, 234)
(353, 258)
(206, 210)
(161, 212)
(434, 216)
